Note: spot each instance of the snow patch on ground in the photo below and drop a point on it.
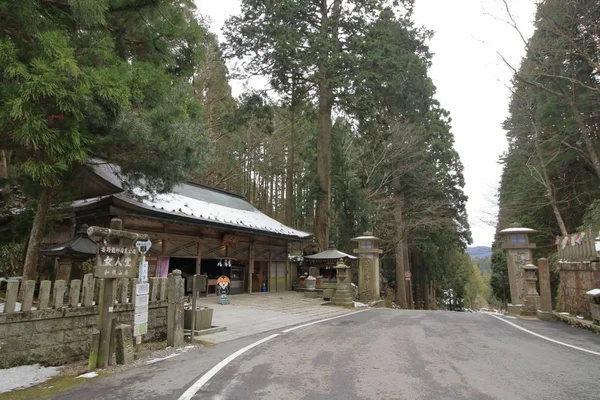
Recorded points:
(359, 304)
(25, 376)
(593, 292)
(152, 361)
(92, 374)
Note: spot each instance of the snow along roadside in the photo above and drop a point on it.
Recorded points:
(25, 376)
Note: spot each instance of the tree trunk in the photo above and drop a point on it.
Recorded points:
(399, 239)
(406, 258)
(323, 164)
(547, 183)
(289, 174)
(426, 305)
(4, 185)
(587, 136)
(37, 235)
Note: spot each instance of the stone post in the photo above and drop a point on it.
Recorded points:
(124, 350)
(341, 297)
(518, 252)
(88, 290)
(59, 294)
(44, 295)
(28, 289)
(12, 291)
(175, 309)
(368, 267)
(74, 292)
(544, 280)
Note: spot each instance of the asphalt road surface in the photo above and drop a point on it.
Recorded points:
(377, 354)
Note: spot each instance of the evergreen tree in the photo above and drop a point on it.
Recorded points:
(309, 43)
(108, 78)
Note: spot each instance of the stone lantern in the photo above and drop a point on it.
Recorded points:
(531, 299)
(368, 267)
(342, 296)
(519, 251)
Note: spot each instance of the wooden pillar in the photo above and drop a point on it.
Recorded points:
(250, 266)
(106, 308)
(269, 288)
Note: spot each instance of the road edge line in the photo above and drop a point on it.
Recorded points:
(323, 320)
(192, 390)
(545, 337)
(196, 386)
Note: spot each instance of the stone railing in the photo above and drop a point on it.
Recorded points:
(52, 325)
(21, 296)
(577, 247)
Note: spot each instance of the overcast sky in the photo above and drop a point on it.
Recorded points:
(471, 82)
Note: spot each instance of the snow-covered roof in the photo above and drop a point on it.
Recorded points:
(356, 239)
(194, 201)
(330, 254)
(517, 230)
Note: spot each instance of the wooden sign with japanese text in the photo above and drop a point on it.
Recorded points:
(115, 261)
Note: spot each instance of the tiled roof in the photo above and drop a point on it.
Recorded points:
(197, 202)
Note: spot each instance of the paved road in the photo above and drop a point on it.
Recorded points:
(379, 354)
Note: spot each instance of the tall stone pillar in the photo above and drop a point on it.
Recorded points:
(368, 267)
(175, 309)
(544, 282)
(518, 253)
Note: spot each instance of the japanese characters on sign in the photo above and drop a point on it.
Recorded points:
(116, 261)
(140, 321)
(143, 275)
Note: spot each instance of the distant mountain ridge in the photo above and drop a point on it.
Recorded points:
(479, 251)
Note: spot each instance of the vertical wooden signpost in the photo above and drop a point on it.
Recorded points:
(114, 260)
(142, 294)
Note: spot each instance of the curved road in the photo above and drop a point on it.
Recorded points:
(378, 354)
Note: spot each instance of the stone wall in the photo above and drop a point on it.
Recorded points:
(58, 336)
(576, 278)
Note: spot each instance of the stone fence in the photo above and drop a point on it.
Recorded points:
(576, 278)
(55, 326)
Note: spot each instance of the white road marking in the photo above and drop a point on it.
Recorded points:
(192, 390)
(188, 394)
(546, 338)
(321, 320)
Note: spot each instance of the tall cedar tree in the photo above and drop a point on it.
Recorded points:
(308, 42)
(418, 174)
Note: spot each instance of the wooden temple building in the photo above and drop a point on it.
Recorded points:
(195, 228)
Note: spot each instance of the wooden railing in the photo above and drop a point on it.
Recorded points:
(21, 296)
(577, 247)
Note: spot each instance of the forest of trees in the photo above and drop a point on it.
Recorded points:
(348, 137)
(551, 176)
